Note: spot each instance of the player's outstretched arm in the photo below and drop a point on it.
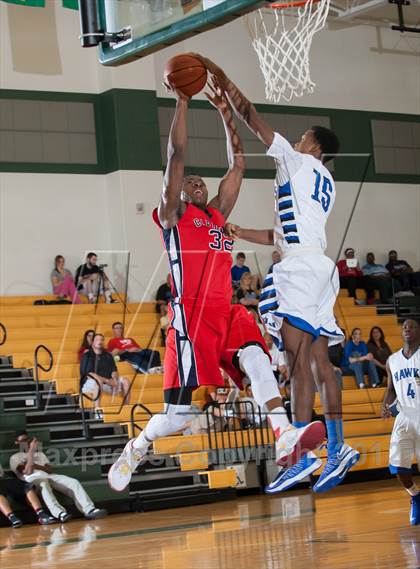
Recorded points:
(390, 395)
(241, 105)
(260, 236)
(171, 207)
(231, 182)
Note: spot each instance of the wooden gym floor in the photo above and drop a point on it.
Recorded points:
(363, 526)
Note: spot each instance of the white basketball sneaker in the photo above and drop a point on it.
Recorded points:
(119, 475)
(294, 442)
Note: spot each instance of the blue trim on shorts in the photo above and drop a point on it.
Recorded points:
(322, 329)
(299, 323)
(399, 470)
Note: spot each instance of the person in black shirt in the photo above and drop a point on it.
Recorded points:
(98, 373)
(402, 272)
(163, 296)
(89, 277)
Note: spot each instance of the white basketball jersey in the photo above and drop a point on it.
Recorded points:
(304, 197)
(406, 378)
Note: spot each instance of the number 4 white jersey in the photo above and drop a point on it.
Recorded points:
(406, 378)
(304, 198)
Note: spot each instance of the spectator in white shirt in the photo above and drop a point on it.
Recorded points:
(34, 467)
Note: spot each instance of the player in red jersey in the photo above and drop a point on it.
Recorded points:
(206, 332)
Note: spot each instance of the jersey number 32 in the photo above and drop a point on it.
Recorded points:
(322, 194)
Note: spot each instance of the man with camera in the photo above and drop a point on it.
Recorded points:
(91, 280)
(32, 466)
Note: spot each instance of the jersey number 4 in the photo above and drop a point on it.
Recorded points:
(410, 391)
(326, 191)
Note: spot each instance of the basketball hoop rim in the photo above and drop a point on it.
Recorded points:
(290, 4)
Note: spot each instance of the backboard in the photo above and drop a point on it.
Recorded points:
(151, 25)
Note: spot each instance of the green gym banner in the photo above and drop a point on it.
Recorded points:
(72, 4)
(33, 3)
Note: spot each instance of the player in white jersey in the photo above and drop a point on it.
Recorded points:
(403, 369)
(298, 297)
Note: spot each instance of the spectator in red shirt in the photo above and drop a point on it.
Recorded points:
(127, 350)
(351, 276)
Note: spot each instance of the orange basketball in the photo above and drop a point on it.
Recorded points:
(186, 73)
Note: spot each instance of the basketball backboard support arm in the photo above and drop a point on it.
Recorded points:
(146, 30)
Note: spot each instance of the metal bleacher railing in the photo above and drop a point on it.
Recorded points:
(38, 366)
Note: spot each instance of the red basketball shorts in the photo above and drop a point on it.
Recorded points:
(203, 339)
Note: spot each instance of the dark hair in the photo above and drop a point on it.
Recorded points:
(20, 433)
(90, 255)
(348, 249)
(57, 258)
(327, 140)
(382, 338)
(116, 324)
(84, 341)
(354, 330)
(240, 256)
(392, 251)
(370, 253)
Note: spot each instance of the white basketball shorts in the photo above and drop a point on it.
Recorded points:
(303, 289)
(405, 444)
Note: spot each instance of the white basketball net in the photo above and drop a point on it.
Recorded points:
(282, 39)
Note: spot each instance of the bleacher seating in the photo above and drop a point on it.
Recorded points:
(58, 423)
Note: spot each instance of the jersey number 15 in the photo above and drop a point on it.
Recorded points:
(326, 191)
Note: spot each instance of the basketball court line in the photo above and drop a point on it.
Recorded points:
(147, 531)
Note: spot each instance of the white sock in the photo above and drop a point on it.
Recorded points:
(108, 295)
(172, 420)
(256, 364)
(414, 490)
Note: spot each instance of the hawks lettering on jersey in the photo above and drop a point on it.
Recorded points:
(406, 378)
(199, 254)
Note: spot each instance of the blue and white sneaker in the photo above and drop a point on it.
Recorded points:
(415, 510)
(289, 477)
(336, 468)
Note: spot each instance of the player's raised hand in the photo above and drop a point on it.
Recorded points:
(179, 95)
(210, 66)
(233, 231)
(386, 412)
(215, 95)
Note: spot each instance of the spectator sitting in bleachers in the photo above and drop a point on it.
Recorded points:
(164, 296)
(250, 414)
(278, 359)
(351, 276)
(91, 280)
(98, 373)
(20, 490)
(215, 413)
(276, 258)
(62, 281)
(336, 354)
(33, 466)
(378, 276)
(86, 343)
(402, 272)
(238, 269)
(247, 294)
(380, 350)
(127, 350)
(357, 360)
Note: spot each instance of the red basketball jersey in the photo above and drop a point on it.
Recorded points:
(199, 255)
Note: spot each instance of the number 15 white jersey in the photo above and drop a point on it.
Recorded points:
(406, 378)
(304, 198)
